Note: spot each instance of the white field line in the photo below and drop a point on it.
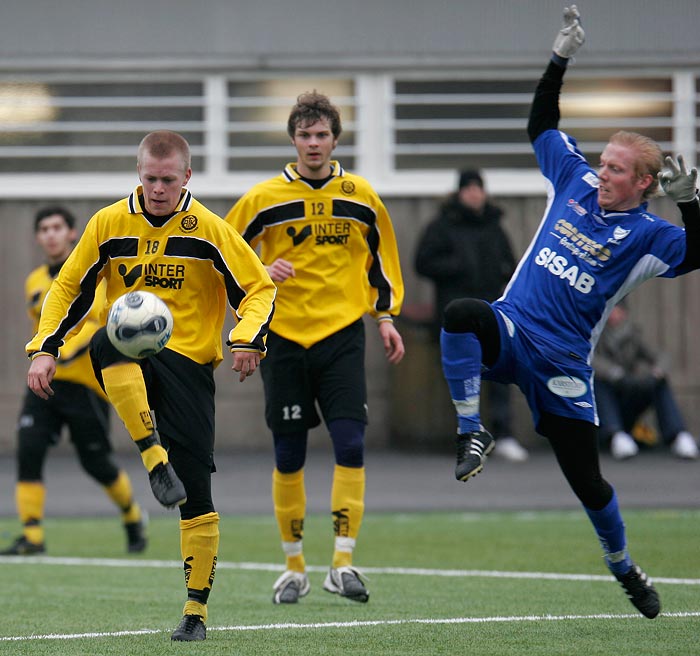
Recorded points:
(352, 624)
(270, 567)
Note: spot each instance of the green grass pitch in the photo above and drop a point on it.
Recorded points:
(440, 583)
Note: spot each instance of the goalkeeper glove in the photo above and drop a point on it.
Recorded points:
(571, 35)
(677, 182)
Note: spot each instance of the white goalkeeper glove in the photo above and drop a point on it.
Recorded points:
(677, 182)
(571, 35)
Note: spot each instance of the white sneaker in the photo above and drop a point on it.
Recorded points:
(685, 446)
(290, 587)
(510, 449)
(346, 582)
(623, 446)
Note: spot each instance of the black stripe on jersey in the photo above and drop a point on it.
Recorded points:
(274, 215)
(118, 247)
(359, 212)
(200, 249)
(346, 209)
(375, 275)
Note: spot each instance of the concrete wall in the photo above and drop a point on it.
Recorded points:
(315, 33)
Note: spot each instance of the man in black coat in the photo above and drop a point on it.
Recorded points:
(466, 253)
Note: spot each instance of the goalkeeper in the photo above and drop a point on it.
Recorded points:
(160, 239)
(597, 241)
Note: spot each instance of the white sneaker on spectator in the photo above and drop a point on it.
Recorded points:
(685, 446)
(623, 446)
(510, 449)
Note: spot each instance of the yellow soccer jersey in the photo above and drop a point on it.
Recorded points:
(341, 242)
(192, 259)
(74, 365)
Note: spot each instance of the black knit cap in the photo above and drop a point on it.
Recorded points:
(469, 177)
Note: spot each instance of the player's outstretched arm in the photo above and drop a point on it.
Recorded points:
(571, 36)
(544, 112)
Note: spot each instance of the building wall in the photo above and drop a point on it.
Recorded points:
(322, 34)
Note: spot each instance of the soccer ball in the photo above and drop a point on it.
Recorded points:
(139, 324)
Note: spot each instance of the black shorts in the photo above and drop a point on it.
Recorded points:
(73, 405)
(180, 392)
(331, 372)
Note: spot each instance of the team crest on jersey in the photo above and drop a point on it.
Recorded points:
(620, 233)
(347, 187)
(189, 223)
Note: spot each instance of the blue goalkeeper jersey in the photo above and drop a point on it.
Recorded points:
(583, 260)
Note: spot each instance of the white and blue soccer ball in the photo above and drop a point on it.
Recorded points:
(139, 324)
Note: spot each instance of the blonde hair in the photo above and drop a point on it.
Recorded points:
(650, 158)
(164, 143)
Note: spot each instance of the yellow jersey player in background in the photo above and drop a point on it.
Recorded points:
(78, 404)
(327, 241)
(160, 239)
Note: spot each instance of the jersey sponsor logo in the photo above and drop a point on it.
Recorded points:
(576, 207)
(583, 404)
(163, 276)
(329, 233)
(189, 223)
(130, 277)
(559, 266)
(297, 238)
(567, 386)
(581, 244)
(347, 187)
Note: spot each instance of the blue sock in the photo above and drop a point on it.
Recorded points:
(461, 365)
(610, 528)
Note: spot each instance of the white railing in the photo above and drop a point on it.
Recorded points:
(63, 137)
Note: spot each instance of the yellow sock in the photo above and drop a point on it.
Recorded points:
(30, 498)
(122, 494)
(199, 544)
(126, 390)
(289, 500)
(347, 507)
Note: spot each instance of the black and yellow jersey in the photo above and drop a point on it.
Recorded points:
(74, 365)
(341, 242)
(191, 259)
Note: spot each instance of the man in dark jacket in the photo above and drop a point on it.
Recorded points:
(466, 253)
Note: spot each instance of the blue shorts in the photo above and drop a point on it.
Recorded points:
(553, 380)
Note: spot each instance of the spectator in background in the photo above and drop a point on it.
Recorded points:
(466, 253)
(629, 379)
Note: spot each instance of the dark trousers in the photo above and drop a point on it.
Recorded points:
(620, 404)
(498, 409)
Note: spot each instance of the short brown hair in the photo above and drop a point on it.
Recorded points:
(311, 107)
(164, 143)
(649, 161)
